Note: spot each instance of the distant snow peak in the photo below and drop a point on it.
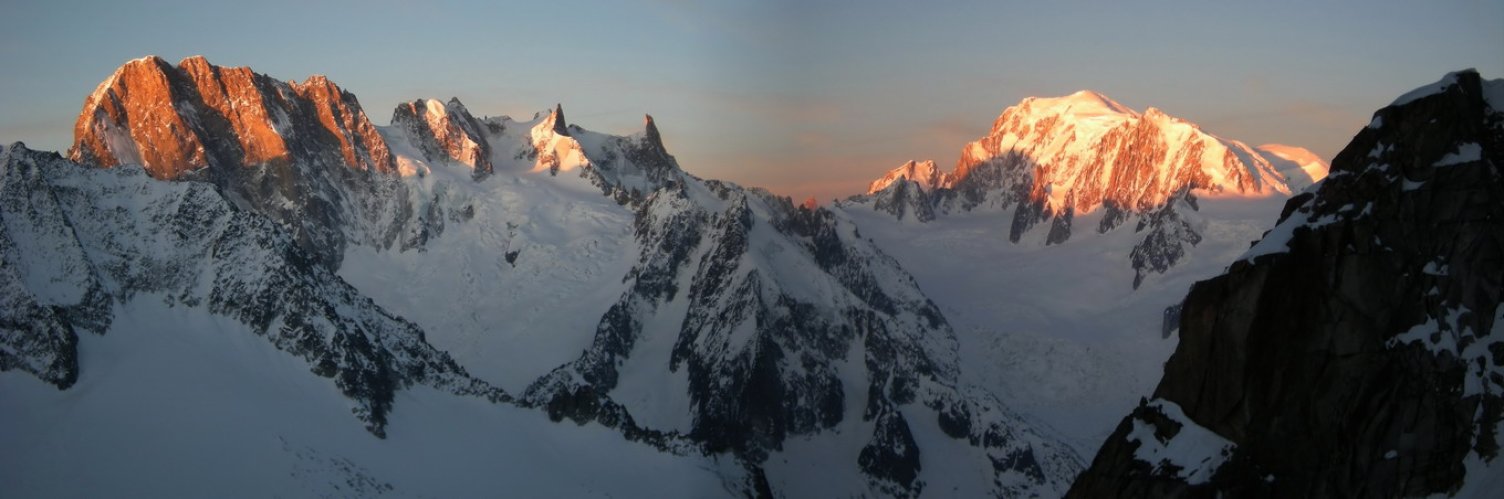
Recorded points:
(1308, 169)
(922, 172)
(1080, 103)
(1084, 151)
(1053, 162)
(445, 132)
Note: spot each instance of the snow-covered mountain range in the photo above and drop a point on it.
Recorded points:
(236, 283)
(484, 263)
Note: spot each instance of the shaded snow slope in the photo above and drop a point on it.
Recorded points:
(1058, 332)
(179, 402)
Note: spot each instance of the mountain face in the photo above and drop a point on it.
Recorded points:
(923, 173)
(445, 132)
(1085, 151)
(1049, 161)
(77, 241)
(701, 318)
(303, 154)
(1356, 349)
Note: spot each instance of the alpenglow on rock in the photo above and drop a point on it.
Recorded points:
(304, 154)
(445, 132)
(1048, 158)
(1358, 349)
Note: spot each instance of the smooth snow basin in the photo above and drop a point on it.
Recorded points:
(508, 322)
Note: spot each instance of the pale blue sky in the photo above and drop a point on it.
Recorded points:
(802, 97)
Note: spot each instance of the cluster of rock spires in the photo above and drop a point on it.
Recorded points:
(259, 187)
(1358, 349)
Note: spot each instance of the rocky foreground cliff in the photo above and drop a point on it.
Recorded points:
(1358, 349)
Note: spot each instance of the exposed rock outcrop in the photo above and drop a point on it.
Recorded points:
(445, 132)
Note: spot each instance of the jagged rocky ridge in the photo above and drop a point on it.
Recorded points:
(76, 241)
(1358, 349)
(786, 324)
(1054, 160)
(445, 131)
(250, 135)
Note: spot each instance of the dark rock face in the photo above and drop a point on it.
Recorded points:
(892, 454)
(1170, 236)
(558, 124)
(1356, 353)
(903, 198)
(1060, 228)
(81, 251)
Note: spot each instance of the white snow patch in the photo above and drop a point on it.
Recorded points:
(1430, 334)
(1427, 90)
(1483, 478)
(1195, 451)
(1465, 153)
